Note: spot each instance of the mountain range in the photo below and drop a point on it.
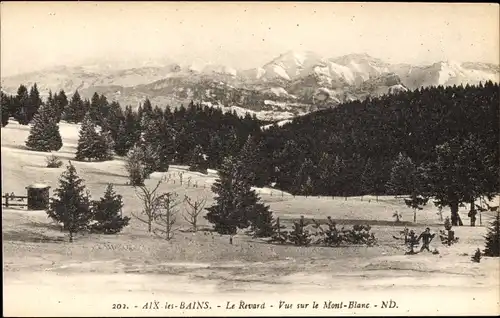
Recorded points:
(291, 84)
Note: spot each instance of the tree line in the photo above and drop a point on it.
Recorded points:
(439, 142)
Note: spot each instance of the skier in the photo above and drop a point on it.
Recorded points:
(426, 237)
(472, 215)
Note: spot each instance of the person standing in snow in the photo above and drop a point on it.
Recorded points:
(426, 237)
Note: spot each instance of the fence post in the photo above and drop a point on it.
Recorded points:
(6, 200)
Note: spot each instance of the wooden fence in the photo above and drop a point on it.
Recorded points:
(8, 199)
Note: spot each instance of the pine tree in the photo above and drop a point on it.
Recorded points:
(114, 119)
(157, 139)
(128, 133)
(146, 111)
(60, 103)
(75, 110)
(402, 176)
(86, 140)
(99, 110)
(34, 102)
(198, 162)
(250, 159)
(44, 133)
(305, 178)
(149, 158)
(121, 141)
(107, 213)
(493, 238)
(104, 146)
(260, 217)
(50, 106)
(20, 105)
(464, 169)
(135, 166)
(71, 205)
(368, 178)
(6, 108)
(93, 145)
(237, 205)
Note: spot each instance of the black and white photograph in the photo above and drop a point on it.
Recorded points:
(250, 158)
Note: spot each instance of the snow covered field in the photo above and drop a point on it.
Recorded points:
(46, 275)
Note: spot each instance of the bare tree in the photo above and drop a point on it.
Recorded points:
(152, 203)
(166, 218)
(193, 211)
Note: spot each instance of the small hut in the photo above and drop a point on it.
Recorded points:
(38, 196)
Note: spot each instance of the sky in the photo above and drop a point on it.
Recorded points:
(36, 35)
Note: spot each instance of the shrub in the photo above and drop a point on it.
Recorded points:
(476, 258)
(299, 236)
(53, 162)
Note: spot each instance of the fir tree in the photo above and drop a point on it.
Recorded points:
(44, 133)
(157, 139)
(368, 178)
(464, 169)
(135, 166)
(93, 145)
(99, 110)
(75, 110)
(198, 162)
(121, 141)
(86, 139)
(107, 213)
(71, 205)
(20, 105)
(402, 176)
(34, 102)
(50, 106)
(250, 158)
(145, 111)
(149, 158)
(129, 132)
(114, 119)
(493, 238)
(104, 146)
(237, 205)
(260, 217)
(304, 180)
(6, 108)
(60, 103)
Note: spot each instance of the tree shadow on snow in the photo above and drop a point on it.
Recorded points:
(41, 225)
(20, 147)
(30, 237)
